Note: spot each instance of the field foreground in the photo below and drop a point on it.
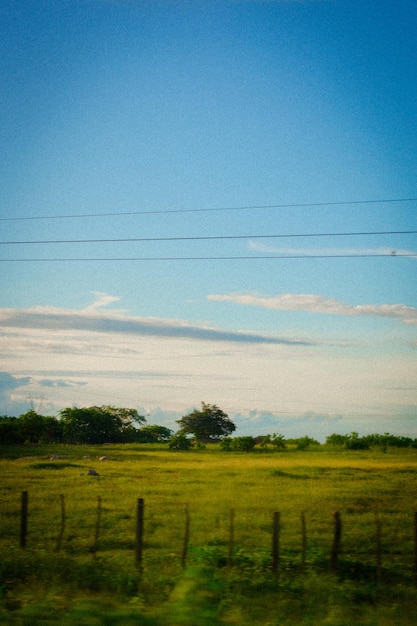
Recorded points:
(228, 538)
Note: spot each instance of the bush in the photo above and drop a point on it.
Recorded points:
(239, 444)
(243, 444)
(302, 443)
(226, 444)
(180, 442)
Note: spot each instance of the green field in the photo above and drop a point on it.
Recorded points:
(85, 573)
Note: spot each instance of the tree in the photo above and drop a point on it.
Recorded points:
(335, 439)
(152, 433)
(278, 441)
(31, 425)
(10, 430)
(208, 425)
(52, 430)
(100, 424)
(302, 443)
(179, 441)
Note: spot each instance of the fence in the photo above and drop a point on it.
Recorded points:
(336, 558)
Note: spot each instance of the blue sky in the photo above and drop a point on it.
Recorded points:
(202, 131)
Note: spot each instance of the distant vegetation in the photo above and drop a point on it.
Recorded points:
(109, 425)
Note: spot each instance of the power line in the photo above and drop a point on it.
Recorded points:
(210, 237)
(215, 258)
(207, 210)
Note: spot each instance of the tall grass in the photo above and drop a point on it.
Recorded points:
(364, 486)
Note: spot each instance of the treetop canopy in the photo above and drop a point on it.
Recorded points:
(208, 425)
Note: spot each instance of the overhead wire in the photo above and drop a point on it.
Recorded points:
(210, 237)
(217, 258)
(209, 209)
(213, 237)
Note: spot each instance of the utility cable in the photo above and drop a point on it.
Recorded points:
(216, 258)
(207, 210)
(209, 237)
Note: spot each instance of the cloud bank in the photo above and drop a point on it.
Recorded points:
(93, 319)
(319, 304)
(62, 357)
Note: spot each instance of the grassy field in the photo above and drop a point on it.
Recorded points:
(93, 579)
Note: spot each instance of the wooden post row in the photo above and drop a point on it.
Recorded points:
(335, 551)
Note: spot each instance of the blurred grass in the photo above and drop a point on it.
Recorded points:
(81, 589)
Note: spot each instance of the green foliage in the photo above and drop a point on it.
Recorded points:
(99, 424)
(179, 441)
(336, 440)
(10, 432)
(238, 444)
(153, 434)
(382, 441)
(52, 430)
(352, 441)
(226, 444)
(208, 425)
(302, 443)
(278, 441)
(30, 427)
(275, 440)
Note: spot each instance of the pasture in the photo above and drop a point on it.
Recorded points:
(208, 556)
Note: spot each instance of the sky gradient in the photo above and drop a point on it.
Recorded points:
(211, 201)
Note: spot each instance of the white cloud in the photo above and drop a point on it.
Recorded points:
(64, 357)
(103, 299)
(93, 319)
(319, 304)
(265, 248)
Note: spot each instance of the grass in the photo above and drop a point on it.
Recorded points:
(77, 585)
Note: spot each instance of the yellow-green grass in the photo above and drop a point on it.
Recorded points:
(364, 486)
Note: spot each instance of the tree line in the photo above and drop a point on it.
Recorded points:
(209, 424)
(109, 424)
(88, 425)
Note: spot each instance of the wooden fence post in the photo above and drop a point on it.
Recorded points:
(334, 561)
(231, 538)
(378, 545)
(139, 532)
(62, 529)
(24, 519)
(186, 536)
(415, 546)
(303, 542)
(97, 529)
(275, 542)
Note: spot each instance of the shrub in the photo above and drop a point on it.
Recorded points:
(180, 442)
(243, 444)
(239, 444)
